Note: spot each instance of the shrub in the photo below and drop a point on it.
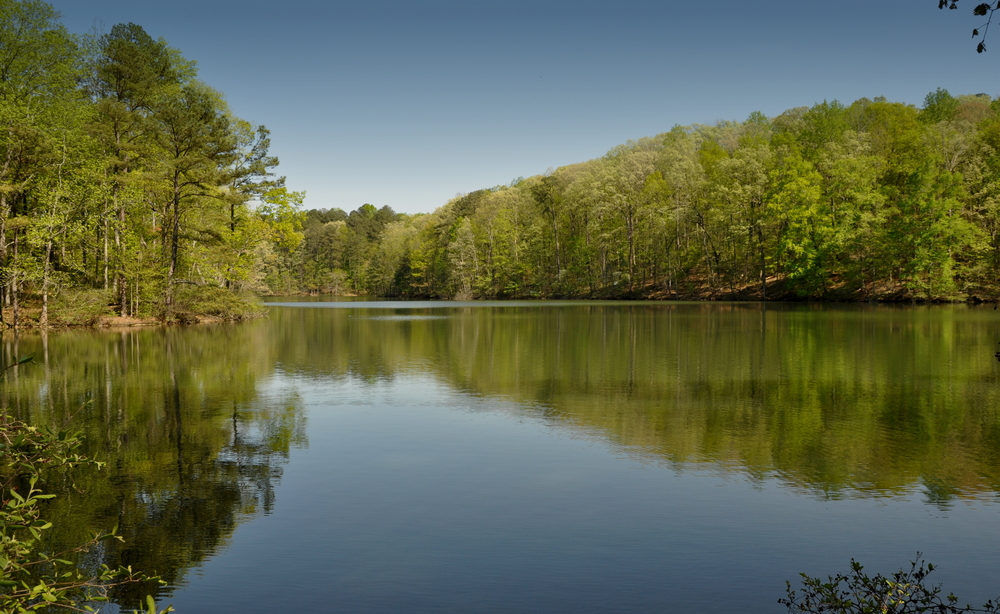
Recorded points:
(218, 302)
(80, 306)
(33, 578)
(856, 593)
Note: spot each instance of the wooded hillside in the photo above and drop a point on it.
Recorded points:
(872, 200)
(128, 187)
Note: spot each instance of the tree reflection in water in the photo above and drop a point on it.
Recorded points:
(192, 448)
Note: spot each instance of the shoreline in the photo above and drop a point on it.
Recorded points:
(60, 321)
(118, 322)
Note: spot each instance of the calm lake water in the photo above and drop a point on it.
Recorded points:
(529, 457)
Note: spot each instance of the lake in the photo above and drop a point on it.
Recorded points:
(529, 456)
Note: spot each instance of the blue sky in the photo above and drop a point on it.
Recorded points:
(407, 104)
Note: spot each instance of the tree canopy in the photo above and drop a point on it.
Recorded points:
(126, 182)
(871, 200)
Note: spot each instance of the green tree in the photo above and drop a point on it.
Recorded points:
(807, 229)
(38, 70)
(464, 259)
(196, 146)
(280, 212)
(939, 106)
(251, 177)
(128, 73)
(625, 205)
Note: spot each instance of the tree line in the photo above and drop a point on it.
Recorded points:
(126, 184)
(872, 200)
(128, 187)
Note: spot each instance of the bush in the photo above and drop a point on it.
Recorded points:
(856, 593)
(217, 302)
(33, 578)
(80, 306)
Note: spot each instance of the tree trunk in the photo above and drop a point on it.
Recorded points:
(175, 232)
(105, 262)
(121, 285)
(13, 286)
(44, 318)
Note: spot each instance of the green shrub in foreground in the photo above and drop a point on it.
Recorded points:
(856, 593)
(32, 577)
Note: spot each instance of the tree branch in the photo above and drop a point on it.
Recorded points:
(984, 9)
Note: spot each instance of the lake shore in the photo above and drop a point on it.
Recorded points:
(777, 289)
(30, 318)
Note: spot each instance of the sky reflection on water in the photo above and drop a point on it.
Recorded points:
(535, 457)
(436, 480)
(414, 497)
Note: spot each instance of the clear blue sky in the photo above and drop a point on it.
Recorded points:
(406, 103)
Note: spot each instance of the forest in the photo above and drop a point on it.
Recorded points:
(875, 200)
(129, 190)
(127, 186)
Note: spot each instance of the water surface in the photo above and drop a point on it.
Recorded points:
(532, 456)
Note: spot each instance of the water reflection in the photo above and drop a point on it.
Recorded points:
(192, 448)
(835, 400)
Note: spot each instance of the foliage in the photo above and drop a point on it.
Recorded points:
(983, 9)
(123, 174)
(873, 200)
(217, 302)
(856, 593)
(82, 305)
(192, 450)
(33, 576)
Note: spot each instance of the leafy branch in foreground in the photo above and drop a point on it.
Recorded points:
(856, 593)
(983, 9)
(32, 577)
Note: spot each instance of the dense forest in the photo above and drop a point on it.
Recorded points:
(127, 186)
(872, 200)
